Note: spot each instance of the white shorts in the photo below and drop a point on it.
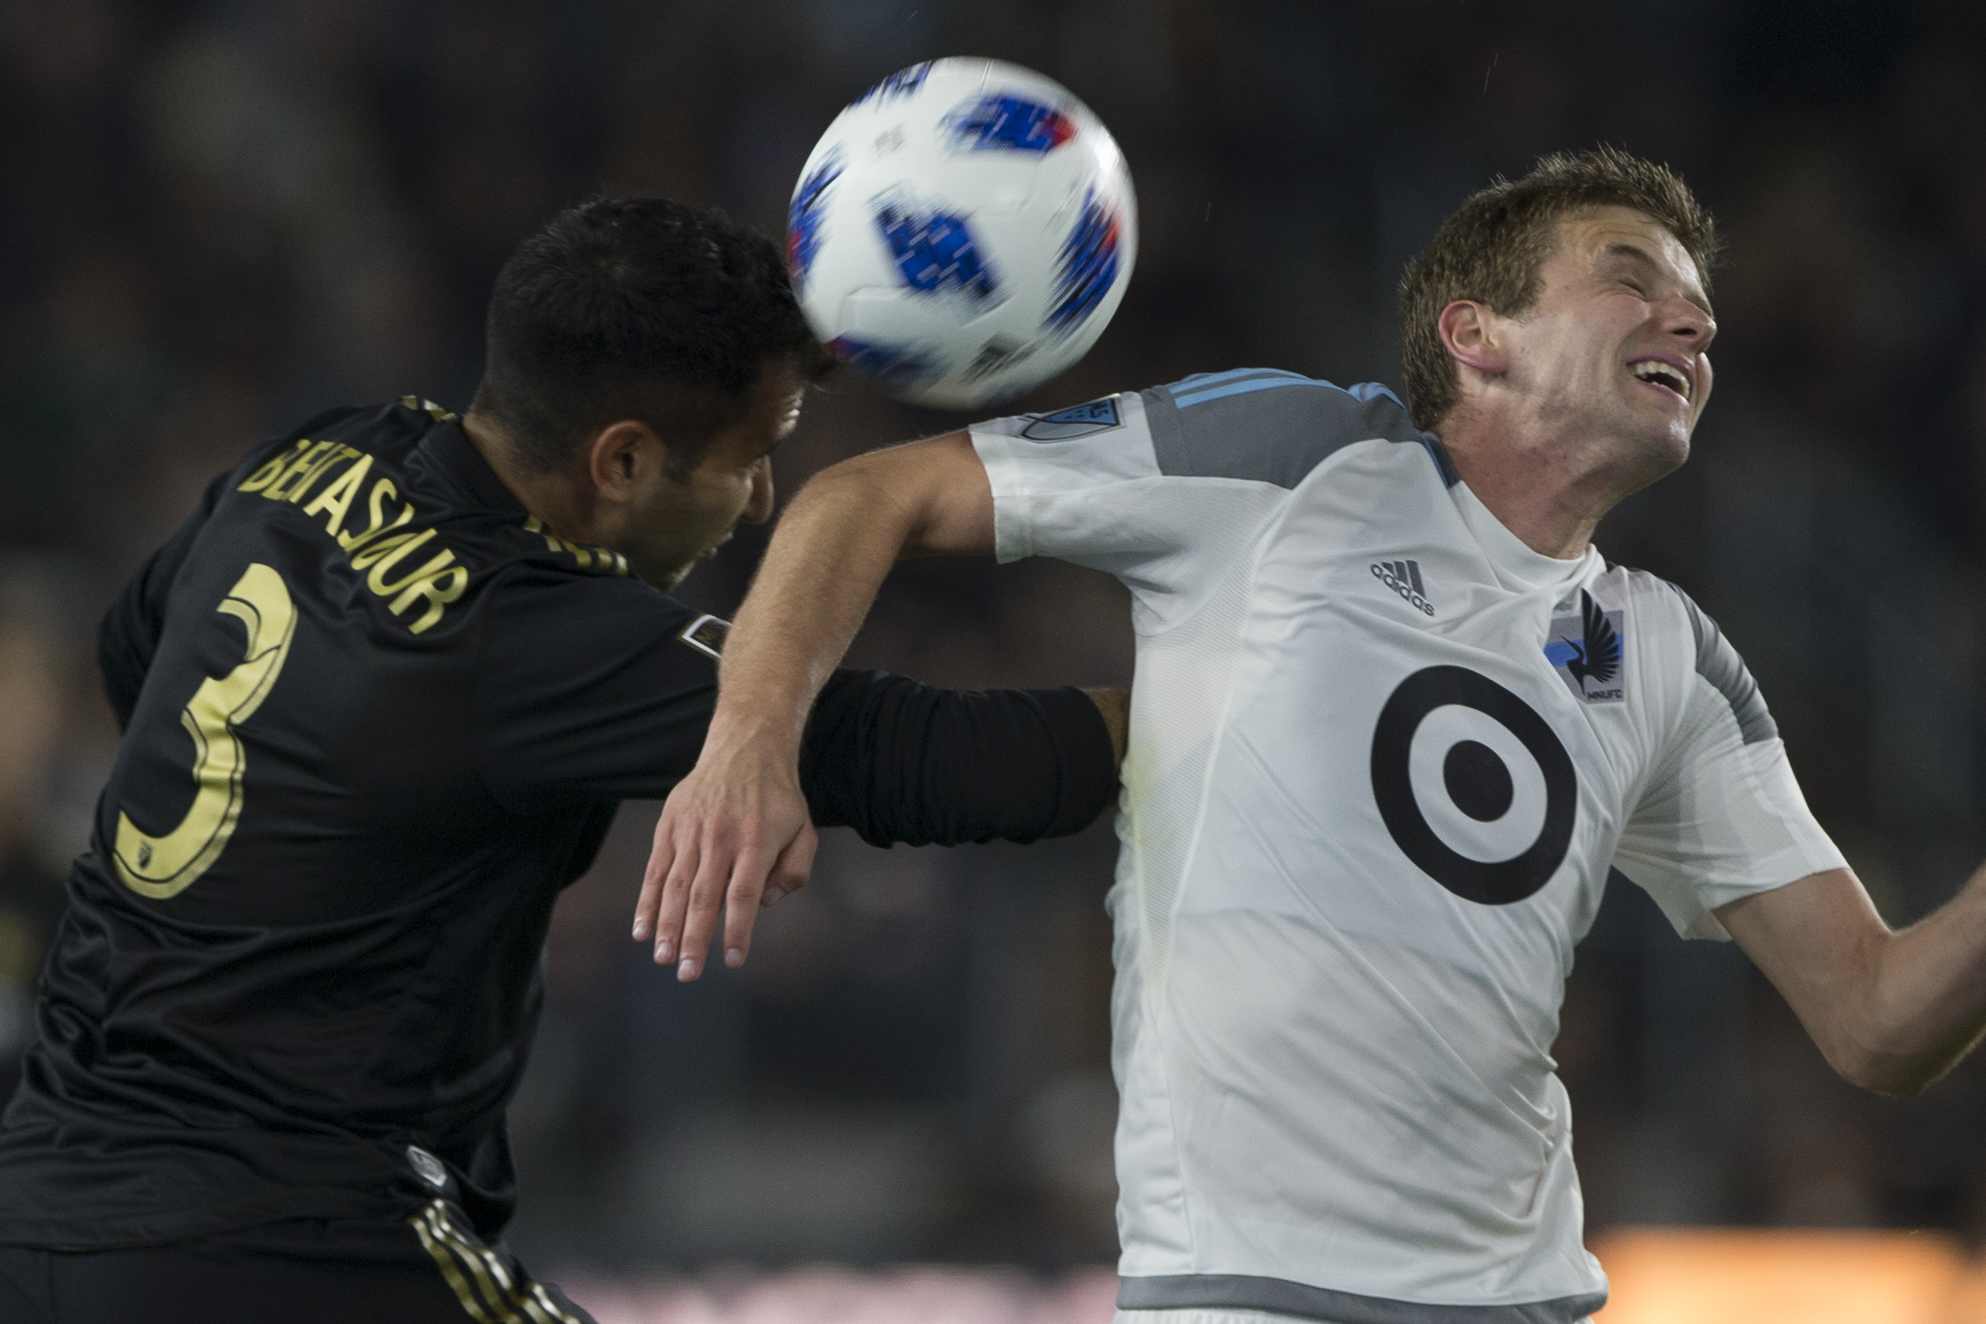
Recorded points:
(1219, 1317)
(1206, 1317)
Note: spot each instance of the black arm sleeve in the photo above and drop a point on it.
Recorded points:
(128, 635)
(901, 761)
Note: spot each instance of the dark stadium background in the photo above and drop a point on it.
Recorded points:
(216, 218)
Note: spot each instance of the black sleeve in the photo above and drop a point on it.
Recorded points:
(587, 687)
(128, 635)
(901, 761)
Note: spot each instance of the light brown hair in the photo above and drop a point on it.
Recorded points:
(1491, 249)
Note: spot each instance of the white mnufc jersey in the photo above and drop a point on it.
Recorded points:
(1382, 758)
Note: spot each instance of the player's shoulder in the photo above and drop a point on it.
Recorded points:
(543, 592)
(1261, 425)
(1671, 619)
(552, 600)
(391, 425)
(384, 434)
(397, 498)
(1269, 425)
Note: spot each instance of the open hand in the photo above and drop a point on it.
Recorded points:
(735, 835)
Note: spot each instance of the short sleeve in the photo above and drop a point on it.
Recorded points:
(128, 635)
(1166, 488)
(1723, 818)
(589, 687)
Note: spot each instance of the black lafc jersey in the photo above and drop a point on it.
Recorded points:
(376, 717)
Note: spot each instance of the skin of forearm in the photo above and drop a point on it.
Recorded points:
(834, 546)
(1926, 1007)
(1891, 1011)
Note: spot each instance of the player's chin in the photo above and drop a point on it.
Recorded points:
(662, 573)
(1655, 450)
(1668, 429)
(1666, 451)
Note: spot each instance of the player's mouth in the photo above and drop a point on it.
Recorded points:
(1666, 374)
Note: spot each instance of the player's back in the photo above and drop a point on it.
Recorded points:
(298, 966)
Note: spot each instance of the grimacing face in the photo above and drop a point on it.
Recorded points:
(677, 522)
(1617, 342)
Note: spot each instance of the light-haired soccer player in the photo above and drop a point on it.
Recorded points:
(1395, 719)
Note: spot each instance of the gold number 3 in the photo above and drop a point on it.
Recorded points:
(165, 866)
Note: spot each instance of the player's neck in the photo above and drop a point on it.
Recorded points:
(549, 496)
(1548, 486)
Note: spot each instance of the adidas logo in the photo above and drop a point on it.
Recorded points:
(1404, 578)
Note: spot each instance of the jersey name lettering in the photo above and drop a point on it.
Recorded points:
(379, 548)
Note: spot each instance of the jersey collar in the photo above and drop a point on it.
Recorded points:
(455, 458)
(1513, 560)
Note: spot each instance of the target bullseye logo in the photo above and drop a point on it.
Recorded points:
(1475, 787)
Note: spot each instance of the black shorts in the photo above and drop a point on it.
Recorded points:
(428, 1270)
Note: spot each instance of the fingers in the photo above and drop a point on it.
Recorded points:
(717, 850)
(697, 853)
(794, 866)
(661, 858)
(747, 896)
(703, 898)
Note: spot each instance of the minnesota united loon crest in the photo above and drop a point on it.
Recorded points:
(1585, 649)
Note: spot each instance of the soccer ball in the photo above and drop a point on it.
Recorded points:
(962, 232)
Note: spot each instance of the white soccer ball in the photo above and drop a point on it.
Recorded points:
(962, 232)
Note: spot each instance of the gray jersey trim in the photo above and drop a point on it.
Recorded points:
(1236, 1291)
(1719, 663)
(1270, 426)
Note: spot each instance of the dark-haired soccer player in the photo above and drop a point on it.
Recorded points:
(1395, 720)
(381, 696)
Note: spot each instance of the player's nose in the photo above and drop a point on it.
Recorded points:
(1689, 323)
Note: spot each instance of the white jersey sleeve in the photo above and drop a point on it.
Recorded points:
(1721, 817)
(1167, 488)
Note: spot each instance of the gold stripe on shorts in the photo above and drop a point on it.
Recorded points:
(487, 1292)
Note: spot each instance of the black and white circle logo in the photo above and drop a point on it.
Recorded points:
(1474, 786)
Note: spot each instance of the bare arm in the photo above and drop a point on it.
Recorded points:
(1115, 705)
(735, 833)
(1892, 1011)
(835, 544)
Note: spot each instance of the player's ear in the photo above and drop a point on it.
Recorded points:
(1468, 331)
(619, 457)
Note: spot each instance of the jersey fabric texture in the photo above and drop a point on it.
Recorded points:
(428, 1270)
(376, 718)
(1382, 758)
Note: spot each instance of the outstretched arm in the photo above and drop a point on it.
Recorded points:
(735, 832)
(1892, 1011)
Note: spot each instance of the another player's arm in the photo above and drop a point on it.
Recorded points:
(736, 830)
(1892, 1011)
(1114, 703)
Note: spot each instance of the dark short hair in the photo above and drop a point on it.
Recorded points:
(637, 308)
(1491, 249)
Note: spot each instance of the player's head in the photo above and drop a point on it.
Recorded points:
(1571, 287)
(650, 355)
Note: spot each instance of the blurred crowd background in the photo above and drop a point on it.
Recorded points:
(218, 217)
